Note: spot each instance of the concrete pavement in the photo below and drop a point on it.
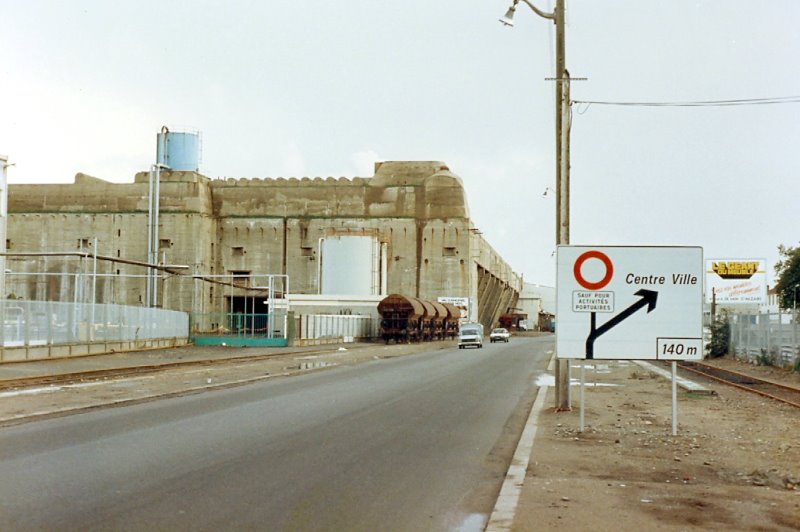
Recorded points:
(199, 377)
(172, 380)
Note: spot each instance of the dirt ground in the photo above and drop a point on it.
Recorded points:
(734, 464)
(45, 401)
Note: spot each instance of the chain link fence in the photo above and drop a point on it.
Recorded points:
(274, 329)
(38, 323)
(766, 339)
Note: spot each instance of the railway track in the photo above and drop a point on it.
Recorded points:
(773, 390)
(128, 371)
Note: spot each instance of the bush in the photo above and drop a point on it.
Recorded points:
(720, 337)
(766, 359)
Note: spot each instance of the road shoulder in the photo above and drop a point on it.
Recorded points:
(733, 464)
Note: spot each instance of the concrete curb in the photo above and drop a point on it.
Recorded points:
(502, 517)
(505, 508)
(686, 384)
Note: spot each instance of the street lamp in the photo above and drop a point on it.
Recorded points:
(562, 160)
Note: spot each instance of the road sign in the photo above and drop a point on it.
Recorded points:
(640, 303)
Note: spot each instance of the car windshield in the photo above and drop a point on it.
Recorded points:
(469, 331)
(499, 331)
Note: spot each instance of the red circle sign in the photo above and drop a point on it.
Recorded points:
(594, 254)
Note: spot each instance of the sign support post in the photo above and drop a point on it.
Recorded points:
(674, 399)
(583, 402)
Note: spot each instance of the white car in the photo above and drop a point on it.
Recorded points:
(499, 335)
(471, 334)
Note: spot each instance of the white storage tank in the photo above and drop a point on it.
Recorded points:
(350, 265)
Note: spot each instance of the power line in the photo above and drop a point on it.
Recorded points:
(706, 103)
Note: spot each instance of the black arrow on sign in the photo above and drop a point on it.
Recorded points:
(648, 299)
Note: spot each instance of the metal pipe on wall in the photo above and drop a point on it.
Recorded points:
(384, 268)
(319, 265)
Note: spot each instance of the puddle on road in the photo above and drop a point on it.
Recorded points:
(473, 523)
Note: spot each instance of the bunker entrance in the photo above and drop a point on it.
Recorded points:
(248, 314)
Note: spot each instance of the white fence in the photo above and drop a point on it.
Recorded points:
(765, 338)
(36, 323)
(349, 327)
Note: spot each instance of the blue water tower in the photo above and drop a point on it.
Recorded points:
(179, 150)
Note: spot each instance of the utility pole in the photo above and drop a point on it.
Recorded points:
(562, 80)
(3, 228)
(563, 397)
(713, 303)
(3, 225)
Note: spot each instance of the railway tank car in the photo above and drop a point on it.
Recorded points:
(408, 319)
(439, 321)
(401, 318)
(428, 322)
(452, 322)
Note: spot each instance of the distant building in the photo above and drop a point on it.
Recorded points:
(404, 230)
(773, 301)
(539, 303)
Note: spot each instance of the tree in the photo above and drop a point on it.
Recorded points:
(788, 282)
(720, 342)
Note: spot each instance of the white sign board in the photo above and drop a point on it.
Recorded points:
(461, 302)
(736, 281)
(641, 303)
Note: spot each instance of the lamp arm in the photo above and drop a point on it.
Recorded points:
(543, 14)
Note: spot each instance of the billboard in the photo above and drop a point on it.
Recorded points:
(736, 281)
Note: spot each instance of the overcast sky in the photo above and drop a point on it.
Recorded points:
(322, 88)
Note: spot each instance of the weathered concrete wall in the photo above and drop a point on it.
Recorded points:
(42, 352)
(418, 210)
(68, 218)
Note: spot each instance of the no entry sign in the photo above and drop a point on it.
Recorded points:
(629, 303)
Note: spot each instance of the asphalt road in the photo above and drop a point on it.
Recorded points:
(414, 443)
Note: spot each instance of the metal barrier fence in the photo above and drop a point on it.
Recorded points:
(349, 327)
(239, 328)
(766, 338)
(35, 323)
